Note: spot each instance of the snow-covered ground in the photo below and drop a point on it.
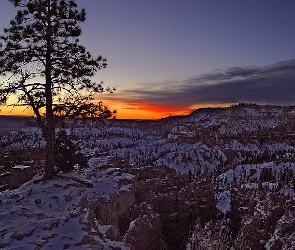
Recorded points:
(58, 214)
(235, 145)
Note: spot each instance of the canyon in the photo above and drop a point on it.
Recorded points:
(219, 178)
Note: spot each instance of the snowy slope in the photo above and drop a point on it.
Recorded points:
(58, 214)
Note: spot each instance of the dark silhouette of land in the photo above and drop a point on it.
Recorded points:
(11, 123)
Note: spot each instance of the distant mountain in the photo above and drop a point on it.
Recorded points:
(10, 123)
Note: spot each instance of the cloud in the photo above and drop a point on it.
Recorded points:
(273, 84)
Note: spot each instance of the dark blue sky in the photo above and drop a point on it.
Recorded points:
(155, 48)
(160, 45)
(166, 40)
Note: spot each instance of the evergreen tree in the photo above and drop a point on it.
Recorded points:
(46, 68)
(67, 153)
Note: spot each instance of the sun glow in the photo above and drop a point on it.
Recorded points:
(127, 110)
(144, 110)
(15, 111)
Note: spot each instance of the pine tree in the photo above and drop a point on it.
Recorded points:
(67, 153)
(42, 42)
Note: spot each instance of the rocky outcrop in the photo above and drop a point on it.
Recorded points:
(178, 202)
(259, 219)
(258, 227)
(19, 175)
(158, 210)
(115, 210)
(145, 231)
(211, 235)
(62, 213)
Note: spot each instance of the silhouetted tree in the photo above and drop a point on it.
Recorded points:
(67, 153)
(46, 68)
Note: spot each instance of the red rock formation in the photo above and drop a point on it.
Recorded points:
(145, 231)
(177, 201)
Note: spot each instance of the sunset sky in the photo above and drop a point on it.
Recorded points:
(168, 57)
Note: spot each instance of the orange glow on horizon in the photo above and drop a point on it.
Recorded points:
(127, 110)
(143, 110)
(136, 110)
(15, 111)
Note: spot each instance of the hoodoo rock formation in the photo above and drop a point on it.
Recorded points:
(220, 178)
(159, 210)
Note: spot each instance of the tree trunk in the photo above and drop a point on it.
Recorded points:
(50, 123)
(49, 167)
